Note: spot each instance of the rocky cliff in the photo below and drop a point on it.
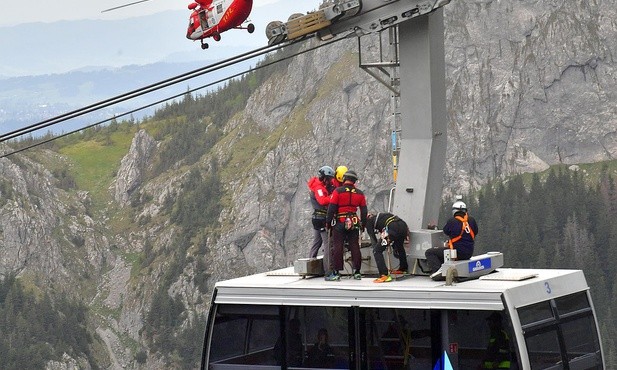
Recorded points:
(529, 84)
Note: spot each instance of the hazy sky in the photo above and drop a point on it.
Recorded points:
(18, 11)
(25, 51)
(56, 55)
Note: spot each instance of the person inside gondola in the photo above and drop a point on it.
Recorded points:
(498, 354)
(321, 354)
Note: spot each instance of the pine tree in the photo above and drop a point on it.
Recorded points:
(550, 233)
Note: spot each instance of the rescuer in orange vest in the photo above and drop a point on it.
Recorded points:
(461, 230)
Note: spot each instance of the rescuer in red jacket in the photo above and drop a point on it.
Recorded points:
(345, 225)
(321, 187)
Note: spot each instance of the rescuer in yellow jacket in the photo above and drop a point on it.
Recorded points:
(498, 355)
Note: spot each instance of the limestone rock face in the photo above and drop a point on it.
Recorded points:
(133, 166)
(530, 84)
(40, 224)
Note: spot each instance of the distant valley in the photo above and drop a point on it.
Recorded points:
(47, 69)
(31, 99)
(79, 63)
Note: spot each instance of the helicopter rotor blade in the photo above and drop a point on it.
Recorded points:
(123, 6)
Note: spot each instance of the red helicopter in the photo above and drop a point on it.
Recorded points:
(210, 18)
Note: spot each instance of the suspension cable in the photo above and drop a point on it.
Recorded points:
(141, 91)
(168, 98)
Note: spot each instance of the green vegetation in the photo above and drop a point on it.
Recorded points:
(96, 159)
(35, 331)
(563, 221)
(198, 207)
(189, 130)
(246, 152)
(188, 142)
(337, 74)
(6, 192)
(591, 172)
(162, 326)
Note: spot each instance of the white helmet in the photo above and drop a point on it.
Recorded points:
(326, 171)
(459, 206)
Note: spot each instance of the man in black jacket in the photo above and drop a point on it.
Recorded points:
(391, 229)
(461, 230)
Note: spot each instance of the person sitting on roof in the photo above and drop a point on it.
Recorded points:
(461, 230)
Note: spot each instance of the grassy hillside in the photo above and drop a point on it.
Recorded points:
(96, 156)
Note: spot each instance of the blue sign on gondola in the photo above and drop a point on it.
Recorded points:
(479, 265)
